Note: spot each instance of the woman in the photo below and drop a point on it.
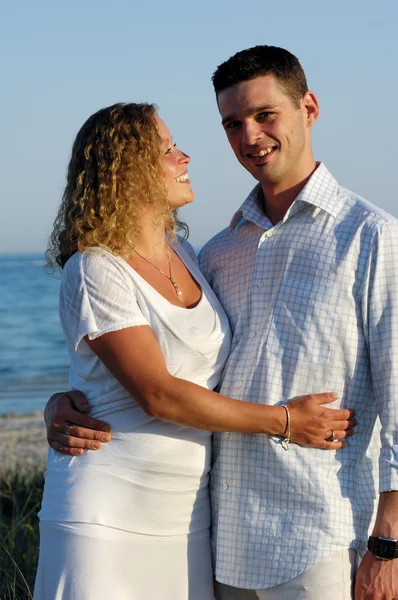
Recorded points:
(147, 340)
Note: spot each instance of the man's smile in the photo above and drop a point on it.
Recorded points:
(260, 155)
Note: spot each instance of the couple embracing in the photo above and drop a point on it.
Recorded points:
(291, 314)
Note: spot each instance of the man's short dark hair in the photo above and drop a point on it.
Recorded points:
(263, 60)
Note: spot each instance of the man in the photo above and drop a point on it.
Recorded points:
(306, 272)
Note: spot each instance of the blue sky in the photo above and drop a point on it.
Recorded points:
(63, 61)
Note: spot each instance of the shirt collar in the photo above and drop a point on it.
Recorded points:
(321, 191)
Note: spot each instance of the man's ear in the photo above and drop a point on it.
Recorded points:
(311, 107)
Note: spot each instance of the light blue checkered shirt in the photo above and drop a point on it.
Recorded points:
(313, 304)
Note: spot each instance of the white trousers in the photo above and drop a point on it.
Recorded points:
(330, 579)
(83, 561)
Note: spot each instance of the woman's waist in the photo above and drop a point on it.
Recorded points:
(166, 452)
(125, 415)
(152, 504)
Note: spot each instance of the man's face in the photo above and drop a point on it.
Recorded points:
(267, 131)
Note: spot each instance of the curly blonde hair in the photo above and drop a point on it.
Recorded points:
(116, 169)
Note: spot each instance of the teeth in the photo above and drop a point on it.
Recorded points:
(262, 152)
(182, 178)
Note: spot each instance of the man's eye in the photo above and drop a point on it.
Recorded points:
(262, 116)
(232, 125)
(170, 149)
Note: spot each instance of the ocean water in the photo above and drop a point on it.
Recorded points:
(33, 356)
(34, 362)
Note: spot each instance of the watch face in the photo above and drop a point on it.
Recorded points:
(386, 549)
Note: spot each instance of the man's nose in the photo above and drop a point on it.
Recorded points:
(251, 133)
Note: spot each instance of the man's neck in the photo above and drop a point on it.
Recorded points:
(278, 199)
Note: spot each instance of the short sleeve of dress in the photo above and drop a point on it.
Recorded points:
(96, 297)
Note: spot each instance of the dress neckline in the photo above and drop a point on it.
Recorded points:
(184, 308)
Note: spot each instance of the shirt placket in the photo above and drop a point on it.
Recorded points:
(262, 286)
(259, 297)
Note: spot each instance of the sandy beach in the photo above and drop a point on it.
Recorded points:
(22, 441)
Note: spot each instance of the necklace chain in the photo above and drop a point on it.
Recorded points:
(169, 277)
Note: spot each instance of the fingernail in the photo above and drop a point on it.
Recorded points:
(96, 446)
(335, 395)
(105, 438)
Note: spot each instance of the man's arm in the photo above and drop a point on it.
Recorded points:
(85, 433)
(378, 579)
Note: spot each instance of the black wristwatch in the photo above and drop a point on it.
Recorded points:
(383, 548)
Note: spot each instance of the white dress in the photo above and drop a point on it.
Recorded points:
(135, 515)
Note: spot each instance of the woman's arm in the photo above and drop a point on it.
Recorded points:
(134, 358)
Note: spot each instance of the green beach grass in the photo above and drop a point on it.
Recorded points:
(21, 491)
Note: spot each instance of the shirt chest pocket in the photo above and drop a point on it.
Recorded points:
(304, 318)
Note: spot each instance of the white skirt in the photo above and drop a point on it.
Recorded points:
(84, 561)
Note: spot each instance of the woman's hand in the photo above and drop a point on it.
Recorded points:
(69, 429)
(312, 424)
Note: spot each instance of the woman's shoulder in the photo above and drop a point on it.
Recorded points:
(96, 263)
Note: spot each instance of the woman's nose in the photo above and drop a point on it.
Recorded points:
(184, 158)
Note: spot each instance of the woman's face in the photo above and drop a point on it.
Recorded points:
(175, 169)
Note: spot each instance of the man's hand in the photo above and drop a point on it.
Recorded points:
(377, 579)
(65, 411)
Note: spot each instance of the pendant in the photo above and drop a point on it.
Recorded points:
(175, 285)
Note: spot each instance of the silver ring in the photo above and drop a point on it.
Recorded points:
(68, 429)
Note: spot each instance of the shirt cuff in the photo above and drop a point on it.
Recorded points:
(388, 476)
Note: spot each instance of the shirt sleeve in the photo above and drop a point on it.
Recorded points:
(381, 330)
(96, 297)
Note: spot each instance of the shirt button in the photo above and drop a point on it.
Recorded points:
(269, 234)
(225, 486)
(253, 334)
(260, 284)
(227, 434)
(240, 383)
